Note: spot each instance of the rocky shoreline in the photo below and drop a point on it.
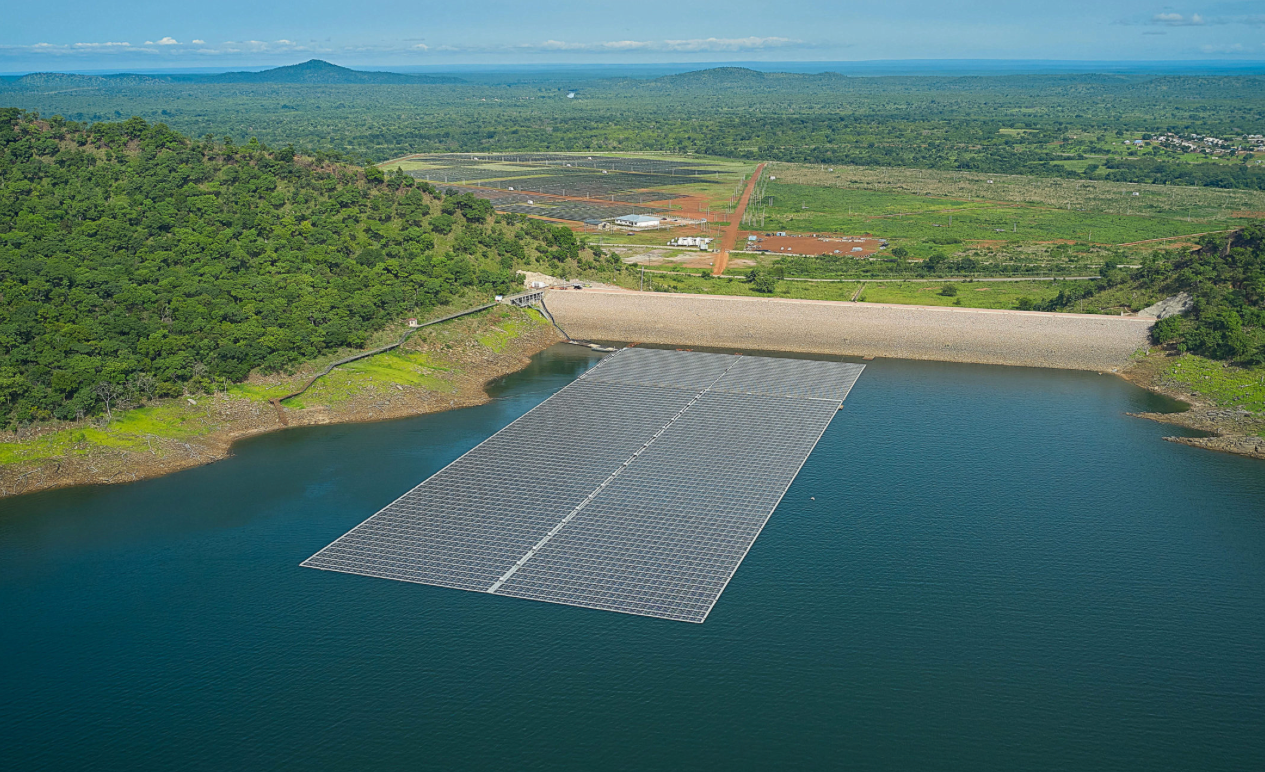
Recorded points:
(1232, 431)
(464, 363)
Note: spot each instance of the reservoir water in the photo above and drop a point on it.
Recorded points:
(979, 568)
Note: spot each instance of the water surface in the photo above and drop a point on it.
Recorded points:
(979, 568)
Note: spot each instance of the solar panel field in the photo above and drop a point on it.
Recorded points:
(575, 188)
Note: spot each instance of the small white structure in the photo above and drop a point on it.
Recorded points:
(690, 241)
(637, 221)
(412, 322)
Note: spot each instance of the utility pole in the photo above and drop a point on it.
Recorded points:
(642, 288)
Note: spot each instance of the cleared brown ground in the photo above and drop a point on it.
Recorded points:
(807, 244)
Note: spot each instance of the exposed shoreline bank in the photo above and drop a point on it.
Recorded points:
(1233, 431)
(452, 369)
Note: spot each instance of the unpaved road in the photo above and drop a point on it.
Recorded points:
(730, 237)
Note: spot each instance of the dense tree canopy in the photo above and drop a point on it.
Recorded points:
(1226, 277)
(132, 255)
(1072, 125)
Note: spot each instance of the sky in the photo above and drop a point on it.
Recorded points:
(76, 35)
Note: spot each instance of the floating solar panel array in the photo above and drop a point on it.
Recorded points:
(638, 488)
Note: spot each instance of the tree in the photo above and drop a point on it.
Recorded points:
(143, 386)
(949, 290)
(762, 280)
(109, 394)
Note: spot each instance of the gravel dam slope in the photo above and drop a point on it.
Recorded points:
(984, 336)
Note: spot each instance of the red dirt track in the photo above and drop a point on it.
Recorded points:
(730, 237)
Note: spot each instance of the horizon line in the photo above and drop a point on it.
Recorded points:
(494, 67)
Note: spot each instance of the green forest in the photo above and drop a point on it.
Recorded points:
(1048, 125)
(136, 262)
(1226, 277)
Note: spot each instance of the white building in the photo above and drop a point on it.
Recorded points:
(690, 241)
(637, 221)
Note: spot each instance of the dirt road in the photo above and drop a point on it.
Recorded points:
(730, 237)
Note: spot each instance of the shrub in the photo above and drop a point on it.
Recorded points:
(1167, 330)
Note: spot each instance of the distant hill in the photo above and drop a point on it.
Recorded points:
(52, 82)
(314, 72)
(319, 72)
(714, 75)
(742, 77)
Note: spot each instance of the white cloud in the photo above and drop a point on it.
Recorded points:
(694, 45)
(729, 44)
(1230, 48)
(1177, 20)
(170, 47)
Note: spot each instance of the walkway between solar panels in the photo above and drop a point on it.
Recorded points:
(523, 560)
(637, 488)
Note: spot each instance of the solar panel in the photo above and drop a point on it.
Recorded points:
(638, 488)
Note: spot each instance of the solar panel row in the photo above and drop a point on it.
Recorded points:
(638, 488)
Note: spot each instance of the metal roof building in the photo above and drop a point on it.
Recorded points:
(636, 221)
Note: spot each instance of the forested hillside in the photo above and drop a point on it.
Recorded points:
(134, 260)
(1226, 277)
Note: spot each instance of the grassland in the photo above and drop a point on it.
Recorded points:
(1168, 201)
(134, 430)
(969, 294)
(1225, 385)
(907, 217)
(685, 281)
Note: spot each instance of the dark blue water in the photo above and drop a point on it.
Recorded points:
(1000, 570)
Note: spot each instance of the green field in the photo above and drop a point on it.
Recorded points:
(906, 217)
(970, 294)
(1172, 201)
(1227, 386)
(996, 294)
(681, 281)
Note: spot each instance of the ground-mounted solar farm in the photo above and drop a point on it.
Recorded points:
(586, 188)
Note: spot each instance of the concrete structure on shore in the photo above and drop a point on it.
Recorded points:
(951, 334)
